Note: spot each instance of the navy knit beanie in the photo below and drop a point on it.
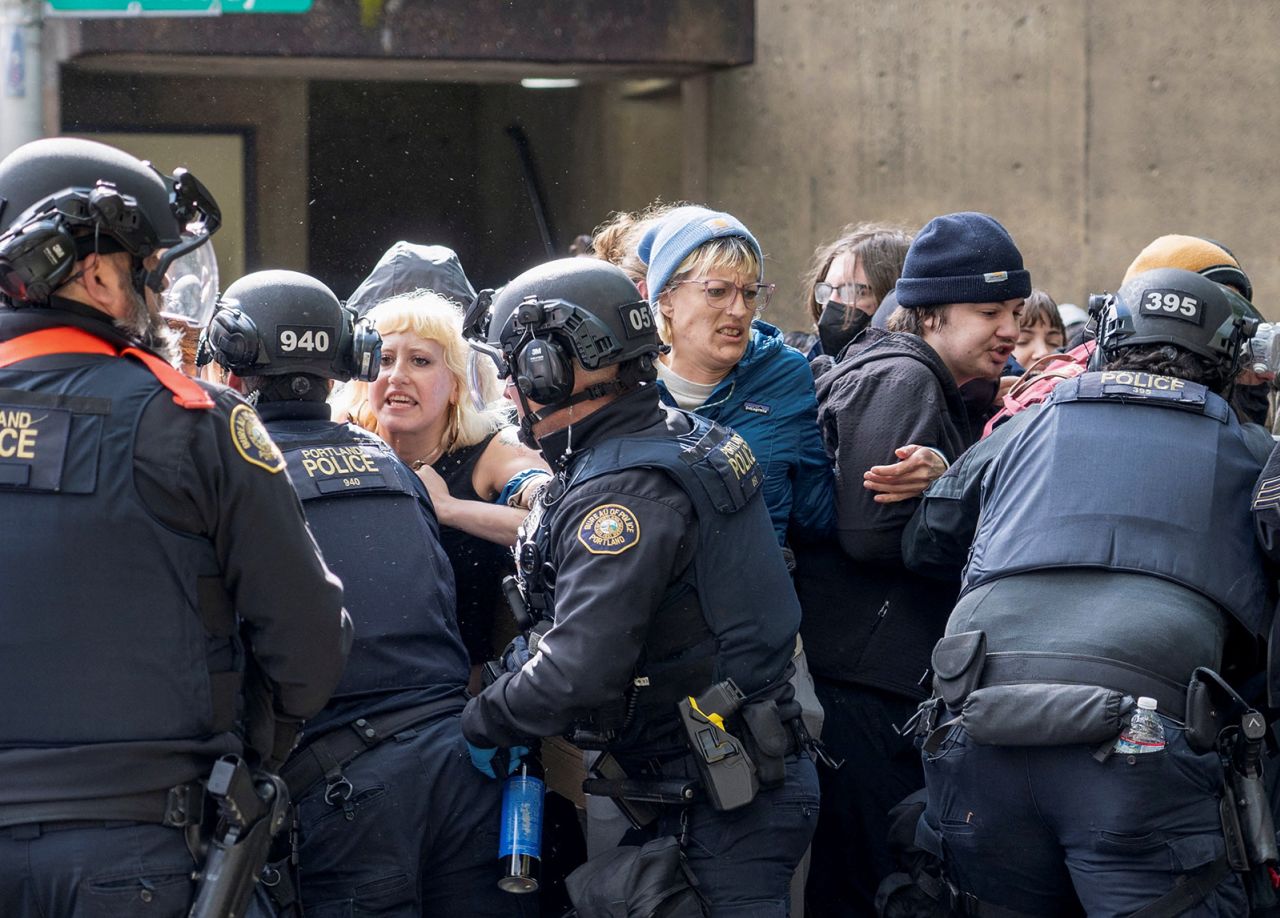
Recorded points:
(962, 258)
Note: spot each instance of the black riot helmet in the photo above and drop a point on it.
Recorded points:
(62, 198)
(276, 323)
(1180, 308)
(571, 310)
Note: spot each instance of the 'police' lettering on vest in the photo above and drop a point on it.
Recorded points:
(741, 459)
(18, 433)
(1140, 381)
(332, 461)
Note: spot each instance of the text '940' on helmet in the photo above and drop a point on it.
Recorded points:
(1179, 308)
(273, 323)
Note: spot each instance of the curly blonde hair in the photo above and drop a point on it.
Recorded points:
(433, 318)
(617, 238)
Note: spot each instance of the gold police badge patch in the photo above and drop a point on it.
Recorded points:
(252, 441)
(609, 529)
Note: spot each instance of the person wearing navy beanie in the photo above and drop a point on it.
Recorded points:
(962, 258)
(869, 624)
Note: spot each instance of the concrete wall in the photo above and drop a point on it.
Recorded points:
(1087, 127)
(272, 114)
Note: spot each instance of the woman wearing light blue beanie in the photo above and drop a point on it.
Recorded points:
(705, 284)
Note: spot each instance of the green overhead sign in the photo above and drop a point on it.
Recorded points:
(171, 7)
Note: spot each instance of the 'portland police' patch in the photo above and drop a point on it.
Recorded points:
(252, 441)
(609, 529)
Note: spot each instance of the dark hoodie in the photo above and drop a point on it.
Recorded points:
(866, 618)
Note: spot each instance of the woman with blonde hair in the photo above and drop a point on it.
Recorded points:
(433, 407)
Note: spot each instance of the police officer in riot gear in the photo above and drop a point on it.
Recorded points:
(393, 819)
(1107, 554)
(650, 570)
(154, 555)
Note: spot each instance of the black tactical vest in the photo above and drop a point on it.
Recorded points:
(1128, 471)
(738, 616)
(378, 533)
(116, 627)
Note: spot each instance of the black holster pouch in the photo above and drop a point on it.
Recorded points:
(1210, 704)
(651, 881)
(767, 736)
(957, 662)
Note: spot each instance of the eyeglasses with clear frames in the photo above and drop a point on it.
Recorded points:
(843, 293)
(720, 294)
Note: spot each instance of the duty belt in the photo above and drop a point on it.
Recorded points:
(179, 806)
(1079, 669)
(324, 757)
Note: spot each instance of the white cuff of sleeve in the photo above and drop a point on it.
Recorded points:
(937, 452)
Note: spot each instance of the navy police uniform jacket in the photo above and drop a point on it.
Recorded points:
(378, 531)
(147, 547)
(653, 555)
(1118, 470)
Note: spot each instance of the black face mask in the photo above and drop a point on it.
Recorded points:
(831, 328)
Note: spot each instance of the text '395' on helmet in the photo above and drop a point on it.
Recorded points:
(275, 323)
(588, 306)
(64, 197)
(1180, 308)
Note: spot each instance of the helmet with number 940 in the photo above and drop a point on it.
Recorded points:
(272, 323)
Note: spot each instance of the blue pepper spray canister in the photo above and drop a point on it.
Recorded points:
(520, 840)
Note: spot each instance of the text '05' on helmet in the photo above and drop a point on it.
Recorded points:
(571, 307)
(63, 197)
(1172, 306)
(272, 323)
(588, 304)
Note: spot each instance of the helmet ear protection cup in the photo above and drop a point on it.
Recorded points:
(36, 261)
(543, 371)
(231, 339)
(365, 348)
(540, 367)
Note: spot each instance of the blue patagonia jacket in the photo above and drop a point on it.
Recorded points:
(769, 399)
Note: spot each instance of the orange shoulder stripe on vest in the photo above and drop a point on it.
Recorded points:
(64, 340)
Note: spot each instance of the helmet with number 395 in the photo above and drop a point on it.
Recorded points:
(1179, 308)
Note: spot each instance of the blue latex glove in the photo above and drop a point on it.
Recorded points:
(482, 758)
(516, 655)
(515, 755)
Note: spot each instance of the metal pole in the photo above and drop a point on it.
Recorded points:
(21, 99)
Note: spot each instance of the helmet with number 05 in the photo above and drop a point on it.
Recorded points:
(579, 308)
(1180, 308)
(273, 323)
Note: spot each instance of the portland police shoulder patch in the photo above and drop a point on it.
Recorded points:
(252, 441)
(609, 529)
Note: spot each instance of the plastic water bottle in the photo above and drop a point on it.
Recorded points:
(1144, 733)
